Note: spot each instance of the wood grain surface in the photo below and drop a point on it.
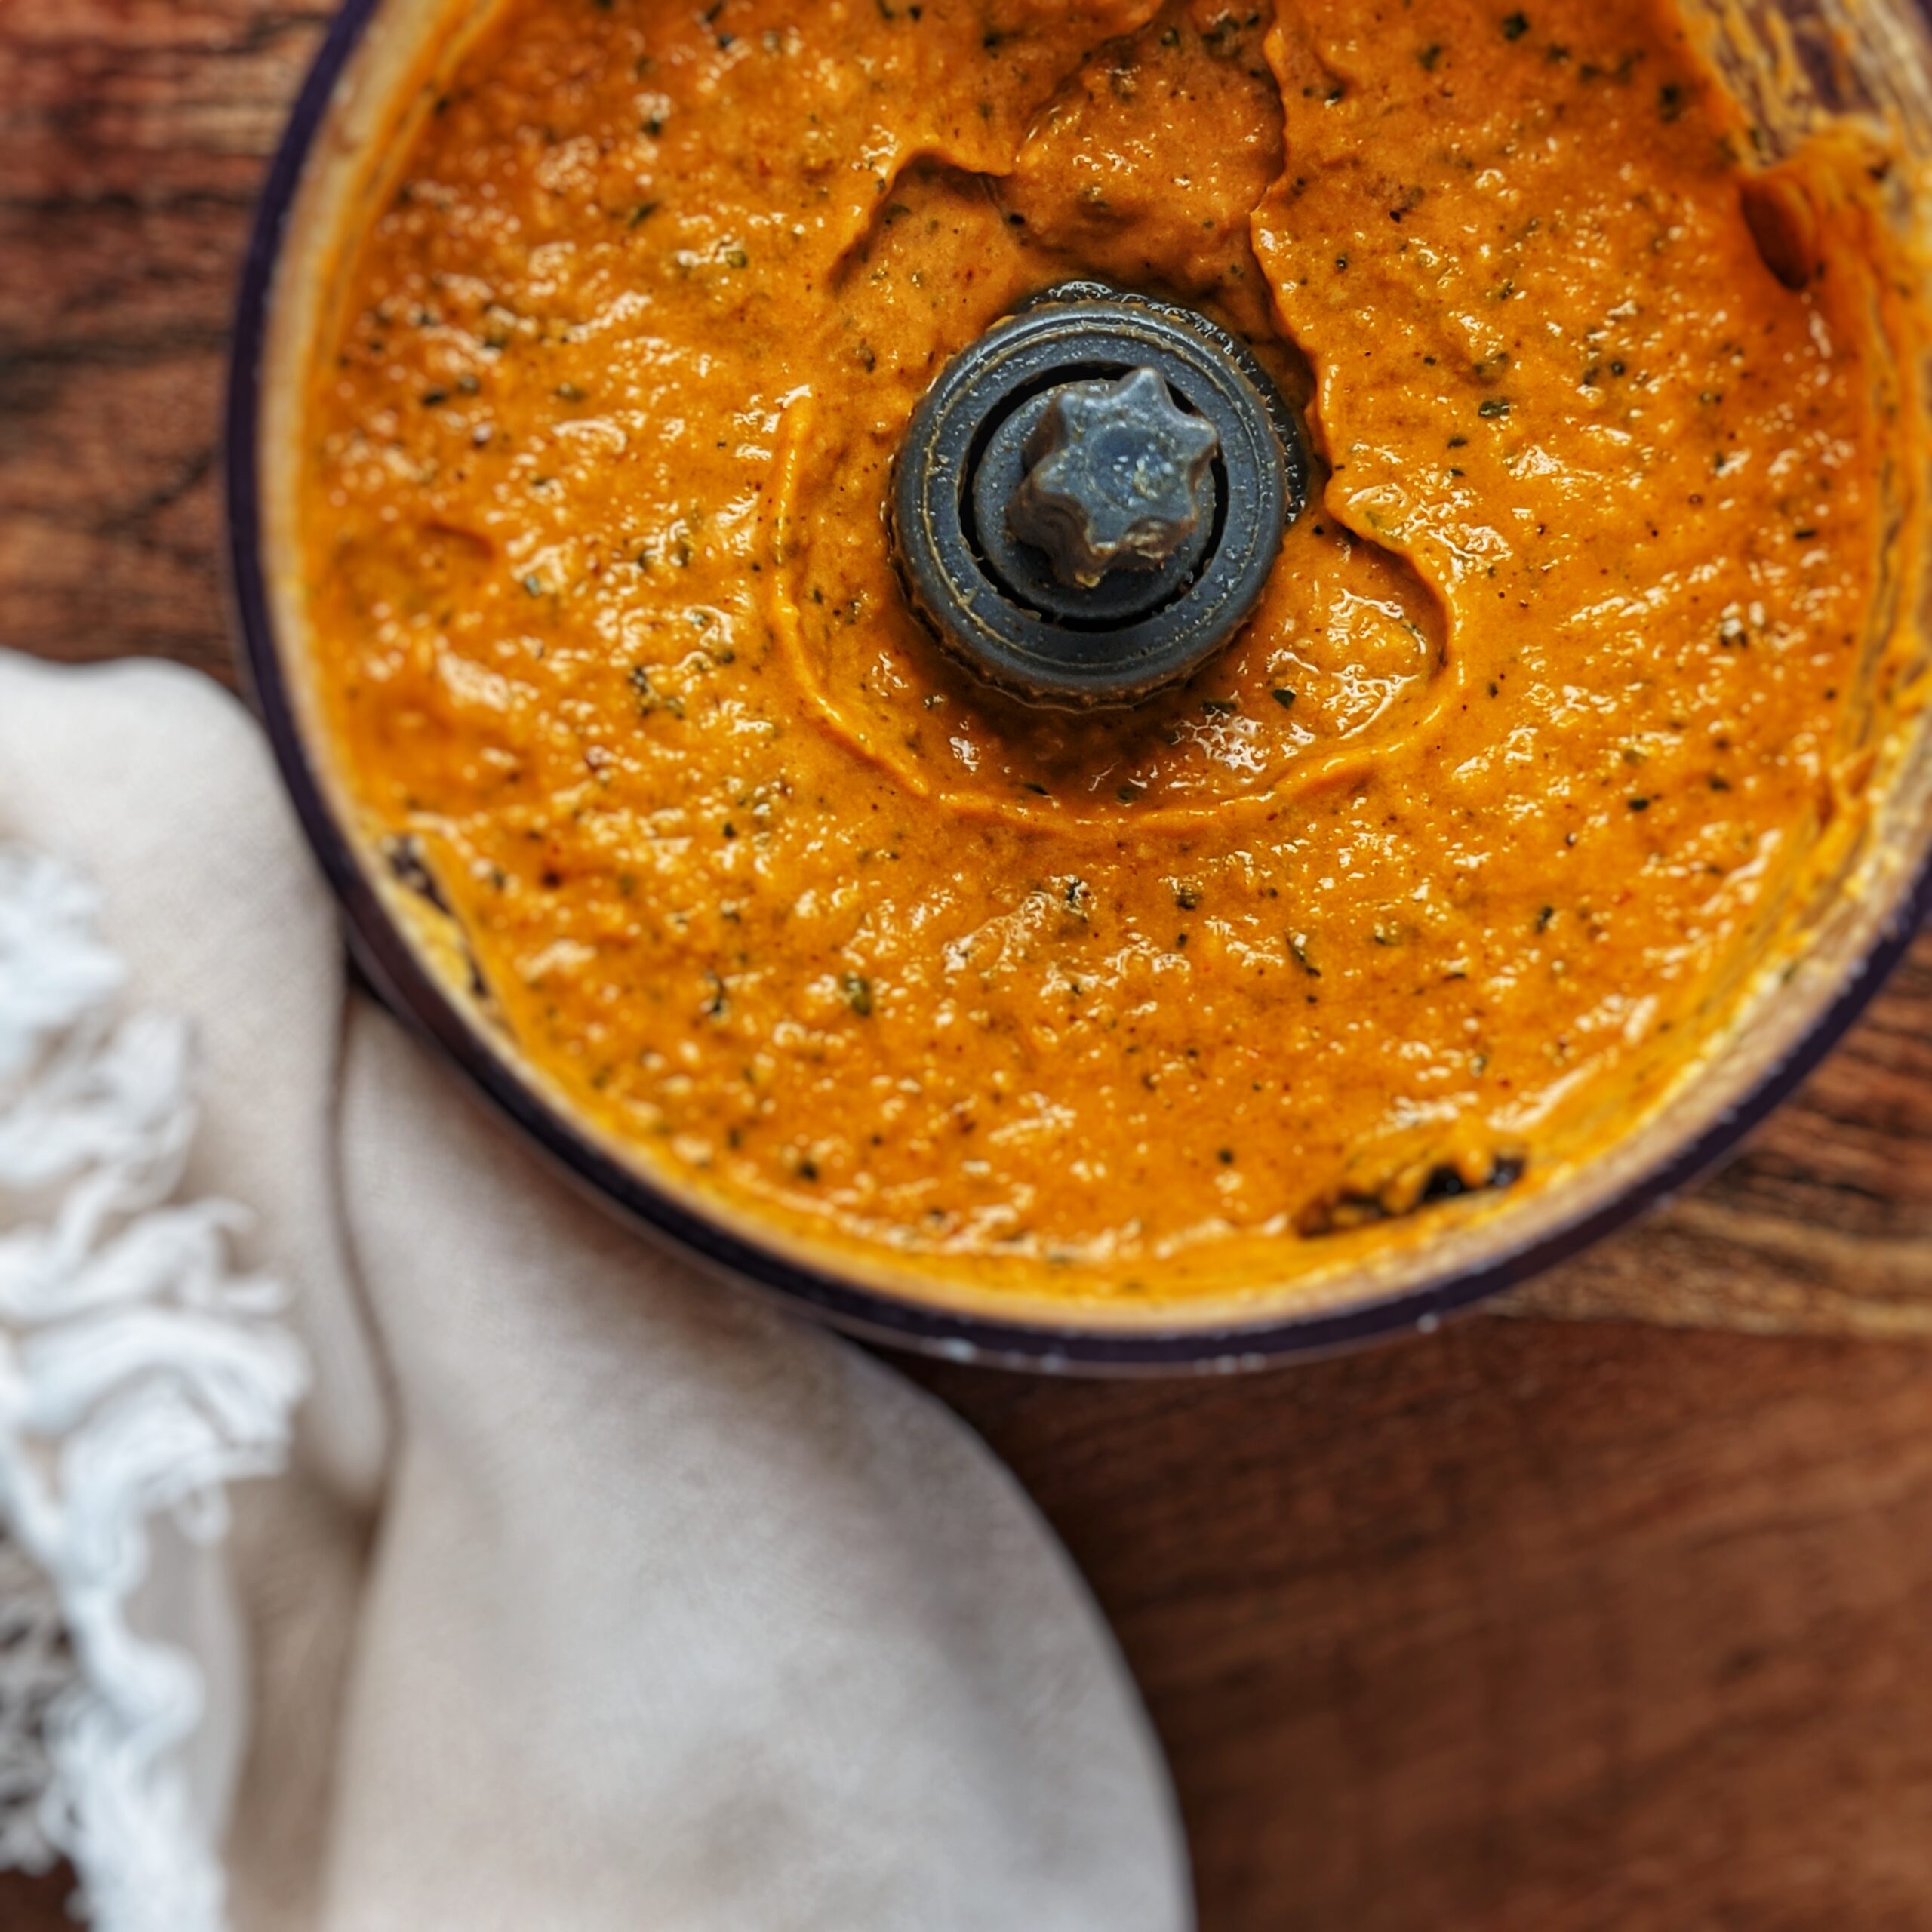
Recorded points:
(1616, 1623)
(1529, 1627)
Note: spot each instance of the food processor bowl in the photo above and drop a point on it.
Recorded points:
(1789, 64)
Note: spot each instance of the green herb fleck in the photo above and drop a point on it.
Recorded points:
(650, 698)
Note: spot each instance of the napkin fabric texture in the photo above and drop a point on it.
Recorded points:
(593, 1592)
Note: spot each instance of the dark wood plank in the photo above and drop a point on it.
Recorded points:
(132, 135)
(1526, 1627)
(36, 1904)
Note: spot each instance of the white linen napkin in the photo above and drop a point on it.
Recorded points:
(596, 1593)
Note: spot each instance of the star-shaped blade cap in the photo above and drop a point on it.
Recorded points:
(1117, 478)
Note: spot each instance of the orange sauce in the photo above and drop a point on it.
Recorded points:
(1435, 880)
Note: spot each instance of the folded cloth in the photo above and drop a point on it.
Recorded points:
(595, 1592)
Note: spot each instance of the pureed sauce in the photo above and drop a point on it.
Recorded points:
(1430, 884)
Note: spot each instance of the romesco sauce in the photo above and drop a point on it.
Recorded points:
(1434, 881)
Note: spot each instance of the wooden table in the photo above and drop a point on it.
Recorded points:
(1622, 1622)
